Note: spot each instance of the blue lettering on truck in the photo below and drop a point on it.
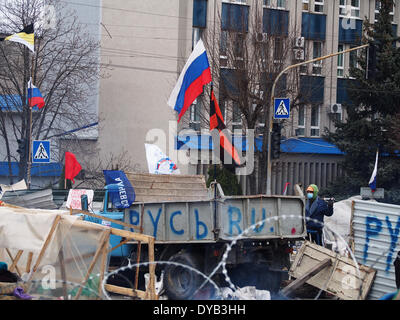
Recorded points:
(233, 219)
(199, 224)
(253, 220)
(171, 223)
(201, 227)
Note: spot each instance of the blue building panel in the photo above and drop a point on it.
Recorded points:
(343, 86)
(199, 13)
(350, 31)
(290, 145)
(10, 102)
(235, 17)
(276, 22)
(313, 26)
(312, 89)
(53, 169)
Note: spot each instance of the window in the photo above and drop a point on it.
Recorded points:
(236, 117)
(222, 107)
(349, 8)
(319, 6)
(196, 35)
(353, 59)
(317, 52)
(267, 3)
(301, 122)
(314, 121)
(239, 45)
(236, 1)
(279, 4)
(355, 8)
(378, 7)
(304, 68)
(223, 43)
(306, 5)
(194, 122)
(340, 62)
(278, 49)
(342, 8)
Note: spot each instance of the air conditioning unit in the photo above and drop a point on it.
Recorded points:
(261, 37)
(299, 42)
(298, 54)
(336, 108)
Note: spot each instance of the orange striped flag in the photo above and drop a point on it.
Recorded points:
(217, 122)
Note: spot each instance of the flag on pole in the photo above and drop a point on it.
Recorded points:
(72, 166)
(372, 180)
(217, 122)
(158, 162)
(121, 191)
(34, 96)
(195, 74)
(25, 36)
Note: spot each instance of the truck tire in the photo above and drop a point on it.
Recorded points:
(181, 283)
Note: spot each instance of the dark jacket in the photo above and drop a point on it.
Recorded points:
(316, 210)
(397, 270)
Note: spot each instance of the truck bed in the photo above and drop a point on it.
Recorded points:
(280, 217)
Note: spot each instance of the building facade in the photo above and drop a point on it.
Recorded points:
(145, 44)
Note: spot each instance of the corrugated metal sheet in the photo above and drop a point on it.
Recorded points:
(375, 232)
(166, 187)
(42, 199)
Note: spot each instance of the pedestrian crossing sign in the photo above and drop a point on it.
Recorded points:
(40, 151)
(282, 108)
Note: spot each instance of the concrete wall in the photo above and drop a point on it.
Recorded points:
(144, 50)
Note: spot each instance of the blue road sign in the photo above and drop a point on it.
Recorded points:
(282, 108)
(40, 151)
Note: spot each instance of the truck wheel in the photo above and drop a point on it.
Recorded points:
(180, 283)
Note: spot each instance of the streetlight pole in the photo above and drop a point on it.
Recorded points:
(269, 164)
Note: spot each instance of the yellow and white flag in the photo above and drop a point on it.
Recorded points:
(25, 37)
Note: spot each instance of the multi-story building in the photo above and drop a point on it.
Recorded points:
(145, 44)
(318, 28)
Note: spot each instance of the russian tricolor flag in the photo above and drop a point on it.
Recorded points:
(195, 74)
(34, 96)
(372, 181)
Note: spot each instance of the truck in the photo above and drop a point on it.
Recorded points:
(200, 227)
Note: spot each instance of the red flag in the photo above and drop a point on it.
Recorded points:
(72, 166)
(217, 122)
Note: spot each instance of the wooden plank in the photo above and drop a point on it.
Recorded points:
(15, 261)
(28, 263)
(156, 188)
(152, 270)
(118, 245)
(44, 248)
(103, 242)
(118, 232)
(126, 291)
(75, 211)
(103, 267)
(63, 273)
(303, 279)
(131, 235)
(345, 282)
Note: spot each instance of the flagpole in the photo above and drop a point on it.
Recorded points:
(30, 133)
(215, 175)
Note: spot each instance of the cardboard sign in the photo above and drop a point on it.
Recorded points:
(74, 198)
